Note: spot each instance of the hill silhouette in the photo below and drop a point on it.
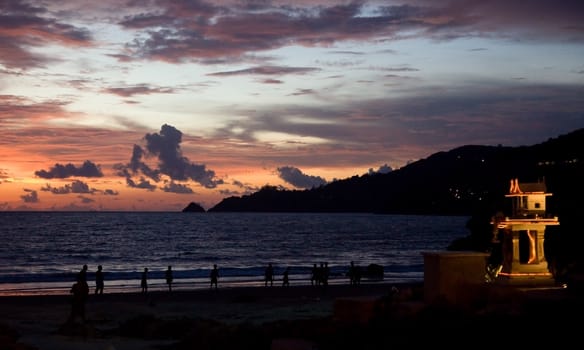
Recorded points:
(193, 208)
(462, 181)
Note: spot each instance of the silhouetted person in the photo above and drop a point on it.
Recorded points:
(214, 276)
(314, 279)
(286, 278)
(80, 292)
(354, 274)
(99, 280)
(168, 275)
(351, 273)
(83, 274)
(144, 281)
(269, 275)
(324, 273)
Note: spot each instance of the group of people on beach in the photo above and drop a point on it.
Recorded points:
(168, 276)
(80, 292)
(269, 276)
(319, 277)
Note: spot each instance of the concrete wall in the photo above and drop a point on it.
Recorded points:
(454, 277)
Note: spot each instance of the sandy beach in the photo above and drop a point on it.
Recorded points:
(369, 316)
(40, 321)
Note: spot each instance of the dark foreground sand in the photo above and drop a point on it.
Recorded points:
(370, 316)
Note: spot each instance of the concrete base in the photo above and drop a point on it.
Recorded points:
(526, 280)
(515, 273)
(454, 277)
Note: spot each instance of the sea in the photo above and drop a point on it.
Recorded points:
(42, 252)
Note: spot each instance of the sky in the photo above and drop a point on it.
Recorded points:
(146, 105)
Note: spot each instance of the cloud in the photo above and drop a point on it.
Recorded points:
(30, 197)
(245, 189)
(539, 20)
(130, 91)
(137, 166)
(27, 110)
(384, 169)
(165, 146)
(400, 69)
(300, 92)
(75, 187)
(59, 171)
(174, 187)
(86, 200)
(3, 175)
(272, 81)
(296, 178)
(24, 27)
(421, 121)
(183, 31)
(109, 192)
(267, 70)
(142, 183)
(212, 32)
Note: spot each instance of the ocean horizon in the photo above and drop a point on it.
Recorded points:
(43, 251)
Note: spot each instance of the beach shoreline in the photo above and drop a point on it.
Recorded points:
(183, 285)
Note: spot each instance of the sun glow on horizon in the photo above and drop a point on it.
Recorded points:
(177, 103)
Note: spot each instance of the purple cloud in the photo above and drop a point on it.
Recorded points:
(383, 169)
(130, 91)
(181, 31)
(267, 70)
(75, 187)
(165, 146)
(174, 187)
(85, 200)
(59, 171)
(298, 179)
(30, 197)
(24, 26)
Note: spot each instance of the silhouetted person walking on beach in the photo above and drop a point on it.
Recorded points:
(168, 275)
(214, 276)
(269, 275)
(354, 274)
(314, 279)
(144, 281)
(80, 292)
(324, 273)
(286, 278)
(99, 280)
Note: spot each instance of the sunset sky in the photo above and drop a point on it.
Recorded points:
(150, 105)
